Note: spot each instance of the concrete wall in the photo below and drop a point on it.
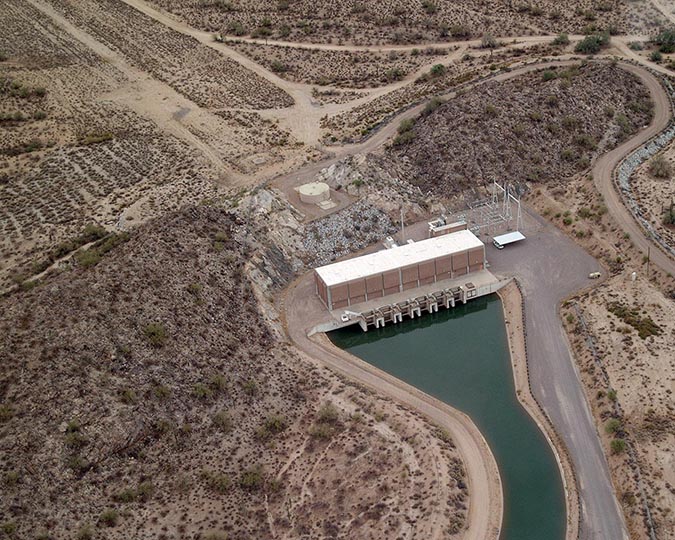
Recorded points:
(403, 279)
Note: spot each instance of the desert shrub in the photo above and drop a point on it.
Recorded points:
(202, 391)
(644, 324)
(252, 479)
(145, 491)
(216, 481)
(161, 391)
(394, 74)
(86, 532)
(322, 431)
(668, 219)
(278, 67)
(109, 517)
(549, 75)
(433, 104)
(491, 111)
(6, 412)
(561, 40)
(8, 528)
(618, 446)
(404, 138)
(636, 46)
(660, 167)
(156, 334)
(222, 420)
(613, 425)
(429, 7)
(488, 42)
(328, 413)
(656, 56)
(437, 70)
(251, 388)
(460, 31)
(666, 41)
(592, 44)
(406, 125)
(95, 138)
(236, 28)
(273, 425)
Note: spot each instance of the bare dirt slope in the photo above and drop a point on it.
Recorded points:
(541, 127)
(170, 409)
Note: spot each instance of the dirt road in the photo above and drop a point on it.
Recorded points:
(605, 165)
(485, 493)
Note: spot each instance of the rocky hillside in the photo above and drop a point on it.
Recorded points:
(541, 127)
(143, 396)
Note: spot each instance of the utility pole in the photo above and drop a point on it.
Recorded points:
(402, 227)
(648, 256)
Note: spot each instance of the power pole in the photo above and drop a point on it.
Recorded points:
(402, 227)
(648, 256)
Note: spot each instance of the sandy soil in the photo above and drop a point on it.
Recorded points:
(641, 372)
(655, 195)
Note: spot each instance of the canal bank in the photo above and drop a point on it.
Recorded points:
(483, 387)
(514, 318)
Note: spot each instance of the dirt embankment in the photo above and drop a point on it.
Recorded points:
(541, 127)
(142, 394)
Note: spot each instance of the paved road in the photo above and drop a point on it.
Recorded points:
(550, 267)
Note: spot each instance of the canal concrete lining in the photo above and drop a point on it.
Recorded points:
(550, 267)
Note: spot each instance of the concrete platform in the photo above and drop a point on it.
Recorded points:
(479, 283)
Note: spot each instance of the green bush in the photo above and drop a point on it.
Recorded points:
(618, 446)
(562, 40)
(666, 41)
(437, 70)
(109, 517)
(613, 425)
(252, 479)
(660, 167)
(156, 334)
(592, 44)
(222, 420)
(216, 481)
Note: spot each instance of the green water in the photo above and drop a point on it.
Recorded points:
(461, 356)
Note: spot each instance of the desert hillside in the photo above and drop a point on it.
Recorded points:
(541, 127)
(142, 395)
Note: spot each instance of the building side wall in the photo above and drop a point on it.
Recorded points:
(405, 278)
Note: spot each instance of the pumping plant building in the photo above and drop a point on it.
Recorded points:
(398, 269)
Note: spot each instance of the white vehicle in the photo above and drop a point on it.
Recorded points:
(594, 275)
(509, 238)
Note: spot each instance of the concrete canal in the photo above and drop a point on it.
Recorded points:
(461, 356)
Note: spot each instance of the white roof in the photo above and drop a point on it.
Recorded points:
(391, 259)
(509, 238)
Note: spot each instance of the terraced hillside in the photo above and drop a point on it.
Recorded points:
(381, 21)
